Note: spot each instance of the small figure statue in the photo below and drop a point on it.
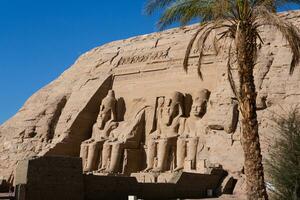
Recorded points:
(106, 122)
(170, 114)
(188, 141)
(126, 136)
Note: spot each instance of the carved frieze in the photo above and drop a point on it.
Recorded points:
(155, 55)
(176, 141)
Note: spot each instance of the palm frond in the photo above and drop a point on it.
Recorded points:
(230, 76)
(190, 46)
(220, 24)
(153, 5)
(181, 11)
(184, 11)
(230, 30)
(201, 45)
(206, 30)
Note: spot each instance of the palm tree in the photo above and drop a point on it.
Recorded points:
(239, 21)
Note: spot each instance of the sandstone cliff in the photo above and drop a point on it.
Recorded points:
(56, 119)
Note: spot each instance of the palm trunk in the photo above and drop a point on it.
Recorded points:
(246, 52)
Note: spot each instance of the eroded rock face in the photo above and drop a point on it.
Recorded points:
(142, 71)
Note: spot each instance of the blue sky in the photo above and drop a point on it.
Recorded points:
(41, 39)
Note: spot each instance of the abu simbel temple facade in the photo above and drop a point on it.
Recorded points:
(127, 120)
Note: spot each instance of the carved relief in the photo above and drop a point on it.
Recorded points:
(162, 142)
(175, 142)
(127, 136)
(106, 122)
(191, 141)
(229, 125)
(144, 58)
(210, 48)
(233, 117)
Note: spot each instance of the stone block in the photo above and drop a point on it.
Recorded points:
(145, 177)
(109, 187)
(49, 178)
(132, 161)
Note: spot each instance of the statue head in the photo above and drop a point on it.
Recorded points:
(108, 109)
(173, 107)
(200, 103)
(160, 102)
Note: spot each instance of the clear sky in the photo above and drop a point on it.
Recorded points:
(41, 39)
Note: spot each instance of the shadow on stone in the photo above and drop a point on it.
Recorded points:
(61, 178)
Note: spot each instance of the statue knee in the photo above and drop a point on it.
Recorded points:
(180, 142)
(93, 146)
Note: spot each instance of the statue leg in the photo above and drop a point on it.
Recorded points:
(86, 150)
(192, 151)
(106, 151)
(100, 143)
(83, 155)
(93, 156)
(116, 154)
(162, 155)
(180, 154)
(150, 154)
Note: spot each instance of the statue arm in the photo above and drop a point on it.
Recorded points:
(177, 119)
(177, 127)
(129, 138)
(89, 141)
(156, 134)
(108, 130)
(129, 134)
(132, 133)
(183, 128)
(94, 134)
(113, 136)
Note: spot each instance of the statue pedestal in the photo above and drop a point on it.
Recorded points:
(151, 177)
(146, 177)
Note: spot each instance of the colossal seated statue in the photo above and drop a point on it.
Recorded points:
(160, 144)
(106, 122)
(190, 141)
(128, 135)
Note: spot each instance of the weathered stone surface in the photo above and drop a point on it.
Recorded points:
(61, 178)
(51, 178)
(59, 117)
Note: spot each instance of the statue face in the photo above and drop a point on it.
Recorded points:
(199, 108)
(171, 110)
(104, 115)
(160, 102)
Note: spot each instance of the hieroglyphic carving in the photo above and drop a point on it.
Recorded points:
(156, 55)
(210, 48)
